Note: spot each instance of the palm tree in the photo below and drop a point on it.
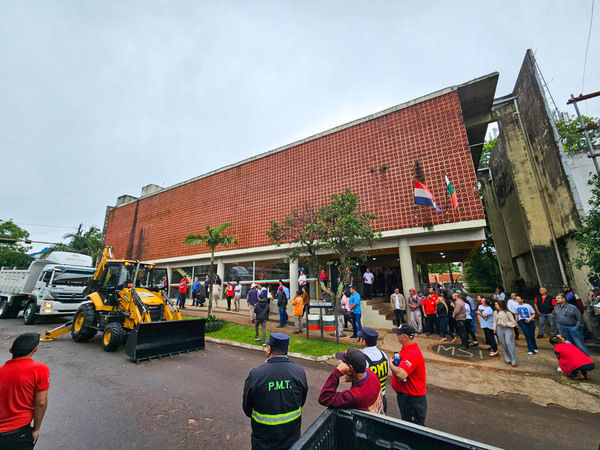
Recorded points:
(88, 243)
(212, 239)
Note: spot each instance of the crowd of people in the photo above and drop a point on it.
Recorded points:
(275, 392)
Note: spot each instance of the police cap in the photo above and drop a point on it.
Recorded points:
(369, 335)
(279, 342)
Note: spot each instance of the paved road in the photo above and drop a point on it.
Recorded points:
(102, 400)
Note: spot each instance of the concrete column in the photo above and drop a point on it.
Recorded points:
(221, 273)
(407, 269)
(293, 278)
(414, 264)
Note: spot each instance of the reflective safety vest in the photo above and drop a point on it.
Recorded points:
(276, 419)
(380, 368)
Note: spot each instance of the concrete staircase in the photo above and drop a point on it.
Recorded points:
(377, 313)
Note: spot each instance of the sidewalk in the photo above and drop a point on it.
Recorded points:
(535, 376)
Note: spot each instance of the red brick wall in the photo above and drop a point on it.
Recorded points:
(431, 131)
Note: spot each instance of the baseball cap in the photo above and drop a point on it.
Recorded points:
(281, 288)
(597, 305)
(458, 291)
(412, 290)
(353, 357)
(405, 328)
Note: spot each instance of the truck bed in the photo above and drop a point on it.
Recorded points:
(12, 282)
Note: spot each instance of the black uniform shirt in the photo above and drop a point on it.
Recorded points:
(274, 394)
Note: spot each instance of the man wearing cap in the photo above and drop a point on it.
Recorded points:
(274, 394)
(377, 361)
(365, 391)
(408, 377)
(24, 386)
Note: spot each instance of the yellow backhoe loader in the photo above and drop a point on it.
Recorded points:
(127, 302)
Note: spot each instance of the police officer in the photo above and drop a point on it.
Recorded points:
(274, 394)
(377, 361)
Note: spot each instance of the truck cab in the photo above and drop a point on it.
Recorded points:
(49, 287)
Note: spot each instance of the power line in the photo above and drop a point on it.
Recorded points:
(557, 112)
(40, 225)
(587, 46)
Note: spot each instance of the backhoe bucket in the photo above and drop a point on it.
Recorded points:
(157, 339)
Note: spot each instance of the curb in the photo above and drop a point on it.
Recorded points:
(324, 358)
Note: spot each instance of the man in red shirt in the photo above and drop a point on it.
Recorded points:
(365, 392)
(408, 376)
(183, 285)
(429, 310)
(24, 386)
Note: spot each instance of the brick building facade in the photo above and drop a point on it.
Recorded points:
(374, 157)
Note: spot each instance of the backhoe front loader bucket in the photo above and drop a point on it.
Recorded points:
(156, 339)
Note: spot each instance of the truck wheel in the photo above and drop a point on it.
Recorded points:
(4, 309)
(113, 337)
(84, 323)
(14, 310)
(30, 314)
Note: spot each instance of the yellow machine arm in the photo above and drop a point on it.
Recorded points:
(107, 254)
(53, 334)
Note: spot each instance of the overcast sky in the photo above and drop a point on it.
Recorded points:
(100, 98)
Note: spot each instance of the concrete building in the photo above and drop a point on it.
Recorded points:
(374, 156)
(534, 192)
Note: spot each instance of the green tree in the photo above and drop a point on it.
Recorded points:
(482, 272)
(213, 238)
(304, 231)
(13, 254)
(86, 243)
(587, 235)
(571, 139)
(484, 159)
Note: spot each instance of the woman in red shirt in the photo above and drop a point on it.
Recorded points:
(572, 361)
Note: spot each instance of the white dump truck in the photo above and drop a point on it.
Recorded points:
(50, 287)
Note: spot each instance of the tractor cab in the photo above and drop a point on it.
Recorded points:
(119, 275)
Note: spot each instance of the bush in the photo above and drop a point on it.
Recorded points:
(213, 324)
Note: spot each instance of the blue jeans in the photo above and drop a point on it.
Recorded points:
(444, 327)
(529, 332)
(473, 325)
(283, 316)
(575, 335)
(356, 324)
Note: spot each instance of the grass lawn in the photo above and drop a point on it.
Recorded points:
(298, 343)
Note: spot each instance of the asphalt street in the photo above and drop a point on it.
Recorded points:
(104, 401)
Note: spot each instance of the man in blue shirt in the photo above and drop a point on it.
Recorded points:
(354, 304)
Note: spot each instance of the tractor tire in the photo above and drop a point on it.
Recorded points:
(30, 314)
(4, 309)
(113, 337)
(84, 323)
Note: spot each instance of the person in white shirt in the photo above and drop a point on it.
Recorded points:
(525, 317)
(512, 304)
(302, 280)
(499, 295)
(368, 278)
(399, 304)
(237, 295)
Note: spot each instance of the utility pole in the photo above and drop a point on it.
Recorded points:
(583, 128)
